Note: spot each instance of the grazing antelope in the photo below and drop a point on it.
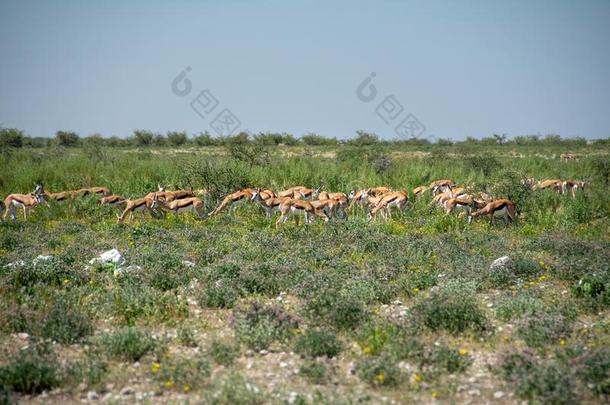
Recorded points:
(271, 204)
(99, 191)
(300, 192)
(420, 190)
(396, 199)
(341, 201)
(573, 186)
(567, 157)
(529, 182)
(59, 196)
(447, 195)
(114, 200)
(137, 205)
(235, 199)
(360, 196)
(182, 204)
(441, 186)
(25, 201)
(554, 184)
(500, 208)
(296, 208)
(463, 203)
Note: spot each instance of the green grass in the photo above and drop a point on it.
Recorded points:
(406, 306)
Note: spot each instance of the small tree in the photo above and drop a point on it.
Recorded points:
(177, 138)
(204, 139)
(11, 138)
(67, 139)
(364, 139)
(143, 138)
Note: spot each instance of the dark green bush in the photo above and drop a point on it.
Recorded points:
(223, 353)
(127, 344)
(257, 325)
(316, 343)
(453, 308)
(31, 371)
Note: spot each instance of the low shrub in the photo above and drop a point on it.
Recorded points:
(316, 343)
(453, 308)
(223, 353)
(379, 370)
(258, 325)
(180, 374)
(128, 344)
(31, 371)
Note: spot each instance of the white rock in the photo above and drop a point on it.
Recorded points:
(501, 263)
(188, 263)
(127, 391)
(92, 396)
(17, 263)
(474, 392)
(128, 269)
(498, 394)
(23, 336)
(41, 258)
(110, 256)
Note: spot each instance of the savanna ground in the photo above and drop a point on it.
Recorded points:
(232, 310)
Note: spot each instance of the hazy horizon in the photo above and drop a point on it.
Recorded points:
(441, 69)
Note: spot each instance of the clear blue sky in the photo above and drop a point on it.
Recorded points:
(463, 68)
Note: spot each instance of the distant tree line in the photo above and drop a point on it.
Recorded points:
(16, 138)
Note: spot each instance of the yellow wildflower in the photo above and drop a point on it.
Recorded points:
(367, 350)
(434, 394)
(463, 352)
(169, 383)
(417, 377)
(562, 342)
(186, 388)
(155, 367)
(380, 377)
(66, 281)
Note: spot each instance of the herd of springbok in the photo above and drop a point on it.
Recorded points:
(298, 201)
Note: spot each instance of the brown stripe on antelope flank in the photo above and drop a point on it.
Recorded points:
(139, 204)
(391, 199)
(499, 207)
(18, 200)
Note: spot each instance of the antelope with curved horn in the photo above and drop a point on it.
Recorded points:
(503, 208)
(361, 196)
(24, 201)
(115, 201)
(137, 205)
(397, 199)
(441, 186)
(295, 208)
(193, 204)
(236, 199)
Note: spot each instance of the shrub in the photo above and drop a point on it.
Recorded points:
(485, 164)
(453, 308)
(180, 374)
(316, 343)
(128, 344)
(223, 353)
(381, 370)
(543, 328)
(218, 295)
(11, 138)
(593, 290)
(186, 336)
(518, 306)
(313, 371)
(340, 310)
(258, 325)
(235, 390)
(550, 383)
(31, 371)
(67, 139)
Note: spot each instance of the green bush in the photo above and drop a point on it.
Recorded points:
(453, 308)
(314, 372)
(31, 371)
(543, 328)
(128, 344)
(316, 343)
(547, 383)
(257, 325)
(223, 353)
(379, 370)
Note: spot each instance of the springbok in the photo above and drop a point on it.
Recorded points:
(193, 204)
(441, 186)
(499, 208)
(99, 191)
(24, 201)
(361, 196)
(300, 192)
(573, 186)
(138, 205)
(396, 199)
(115, 201)
(236, 199)
(296, 208)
